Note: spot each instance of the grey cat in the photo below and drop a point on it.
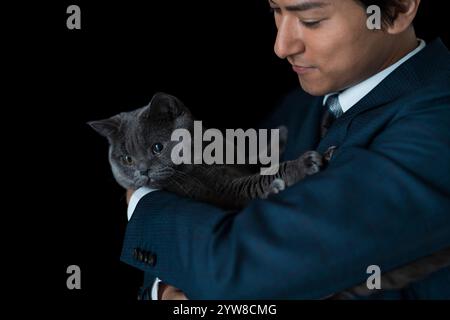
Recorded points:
(140, 155)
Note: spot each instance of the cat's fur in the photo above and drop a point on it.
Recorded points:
(134, 134)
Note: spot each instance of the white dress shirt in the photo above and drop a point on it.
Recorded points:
(347, 99)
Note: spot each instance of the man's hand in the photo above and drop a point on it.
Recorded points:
(167, 292)
(129, 194)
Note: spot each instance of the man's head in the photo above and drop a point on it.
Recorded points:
(330, 46)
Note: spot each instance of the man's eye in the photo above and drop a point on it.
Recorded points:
(127, 160)
(275, 10)
(311, 24)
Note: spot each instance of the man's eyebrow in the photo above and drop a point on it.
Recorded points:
(303, 6)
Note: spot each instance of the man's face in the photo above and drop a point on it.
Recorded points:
(328, 43)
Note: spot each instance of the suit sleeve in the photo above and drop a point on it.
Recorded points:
(384, 204)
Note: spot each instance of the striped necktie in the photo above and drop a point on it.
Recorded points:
(332, 112)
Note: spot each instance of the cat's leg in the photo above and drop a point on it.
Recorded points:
(311, 160)
(289, 172)
(307, 164)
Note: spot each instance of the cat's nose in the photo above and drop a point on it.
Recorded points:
(142, 167)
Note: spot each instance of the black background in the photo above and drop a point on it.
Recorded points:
(216, 56)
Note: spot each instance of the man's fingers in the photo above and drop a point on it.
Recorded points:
(129, 194)
(177, 296)
(167, 292)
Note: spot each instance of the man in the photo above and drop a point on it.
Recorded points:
(383, 200)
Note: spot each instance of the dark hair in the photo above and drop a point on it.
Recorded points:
(390, 9)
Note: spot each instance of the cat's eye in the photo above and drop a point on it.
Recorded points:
(127, 160)
(157, 148)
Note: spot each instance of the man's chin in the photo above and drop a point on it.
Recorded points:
(315, 89)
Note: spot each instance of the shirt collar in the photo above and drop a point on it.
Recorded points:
(351, 96)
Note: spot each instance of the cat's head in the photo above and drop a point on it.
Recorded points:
(140, 141)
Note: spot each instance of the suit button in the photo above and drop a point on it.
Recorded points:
(135, 253)
(146, 256)
(150, 259)
(140, 256)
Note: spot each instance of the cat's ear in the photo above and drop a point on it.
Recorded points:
(106, 127)
(166, 105)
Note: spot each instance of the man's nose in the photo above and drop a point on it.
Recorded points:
(289, 39)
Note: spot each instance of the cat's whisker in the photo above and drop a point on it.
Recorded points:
(163, 173)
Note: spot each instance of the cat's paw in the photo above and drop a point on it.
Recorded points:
(312, 161)
(277, 185)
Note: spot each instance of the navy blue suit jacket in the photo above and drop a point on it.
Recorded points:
(383, 200)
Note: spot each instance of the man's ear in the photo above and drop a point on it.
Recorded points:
(405, 16)
(165, 105)
(106, 127)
